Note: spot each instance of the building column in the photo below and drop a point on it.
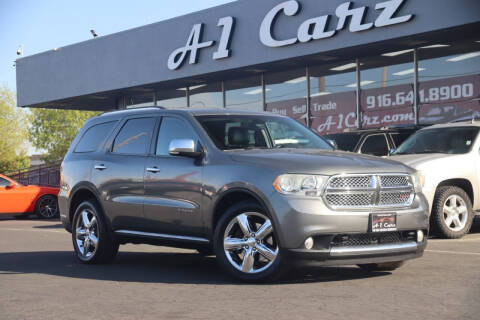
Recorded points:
(264, 93)
(224, 95)
(358, 97)
(415, 87)
(309, 91)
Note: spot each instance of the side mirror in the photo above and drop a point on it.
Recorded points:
(11, 186)
(183, 147)
(391, 151)
(333, 143)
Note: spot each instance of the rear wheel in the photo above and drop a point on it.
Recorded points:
(92, 242)
(47, 207)
(246, 245)
(452, 214)
(387, 266)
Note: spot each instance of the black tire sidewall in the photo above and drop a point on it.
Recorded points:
(272, 273)
(437, 220)
(107, 248)
(37, 207)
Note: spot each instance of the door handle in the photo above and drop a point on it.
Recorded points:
(153, 170)
(100, 167)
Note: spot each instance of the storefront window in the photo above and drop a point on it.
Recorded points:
(286, 94)
(138, 100)
(387, 96)
(333, 97)
(171, 99)
(244, 94)
(206, 96)
(449, 77)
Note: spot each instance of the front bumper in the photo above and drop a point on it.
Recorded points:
(376, 253)
(297, 219)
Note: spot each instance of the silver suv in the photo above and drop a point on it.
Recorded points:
(259, 191)
(448, 156)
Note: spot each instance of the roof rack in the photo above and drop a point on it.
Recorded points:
(136, 108)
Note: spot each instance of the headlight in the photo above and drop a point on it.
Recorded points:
(300, 184)
(418, 181)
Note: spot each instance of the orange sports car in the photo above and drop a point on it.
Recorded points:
(19, 200)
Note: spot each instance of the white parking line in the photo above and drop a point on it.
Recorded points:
(32, 230)
(454, 252)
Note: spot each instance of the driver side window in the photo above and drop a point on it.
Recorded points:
(4, 182)
(171, 129)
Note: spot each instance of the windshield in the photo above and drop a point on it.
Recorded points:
(259, 132)
(441, 140)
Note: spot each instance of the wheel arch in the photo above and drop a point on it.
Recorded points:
(461, 183)
(235, 195)
(81, 193)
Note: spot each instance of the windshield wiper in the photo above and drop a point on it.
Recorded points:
(418, 152)
(430, 151)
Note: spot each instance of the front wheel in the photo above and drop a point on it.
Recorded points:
(452, 214)
(246, 245)
(92, 242)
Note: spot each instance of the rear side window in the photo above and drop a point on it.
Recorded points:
(375, 145)
(134, 137)
(94, 137)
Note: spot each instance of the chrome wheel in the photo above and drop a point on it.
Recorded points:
(86, 234)
(249, 243)
(455, 213)
(48, 207)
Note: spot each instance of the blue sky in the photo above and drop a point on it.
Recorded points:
(43, 25)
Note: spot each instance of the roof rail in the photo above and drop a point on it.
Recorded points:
(136, 108)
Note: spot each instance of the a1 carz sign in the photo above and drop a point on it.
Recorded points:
(348, 16)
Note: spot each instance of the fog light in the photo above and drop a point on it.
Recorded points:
(420, 236)
(309, 243)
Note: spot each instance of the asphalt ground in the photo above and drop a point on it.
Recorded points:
(39, 279)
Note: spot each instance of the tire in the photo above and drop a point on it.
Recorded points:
(47, 207)
(387, 266)
(92, 241)
(250, 245)
(443, 223)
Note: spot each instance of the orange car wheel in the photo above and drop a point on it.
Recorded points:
(47, 207)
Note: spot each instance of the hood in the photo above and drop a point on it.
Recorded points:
(313, 161)
(417, 160)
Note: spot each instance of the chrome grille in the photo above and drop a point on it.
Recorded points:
(351, 199)
(394, 181)
(394, 198)
(369, 191)
(343, 182)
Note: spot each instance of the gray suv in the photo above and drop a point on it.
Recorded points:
(259, 191)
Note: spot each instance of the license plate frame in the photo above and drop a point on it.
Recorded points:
(383, 222)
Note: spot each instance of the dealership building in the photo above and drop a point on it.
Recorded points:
(331, 64)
